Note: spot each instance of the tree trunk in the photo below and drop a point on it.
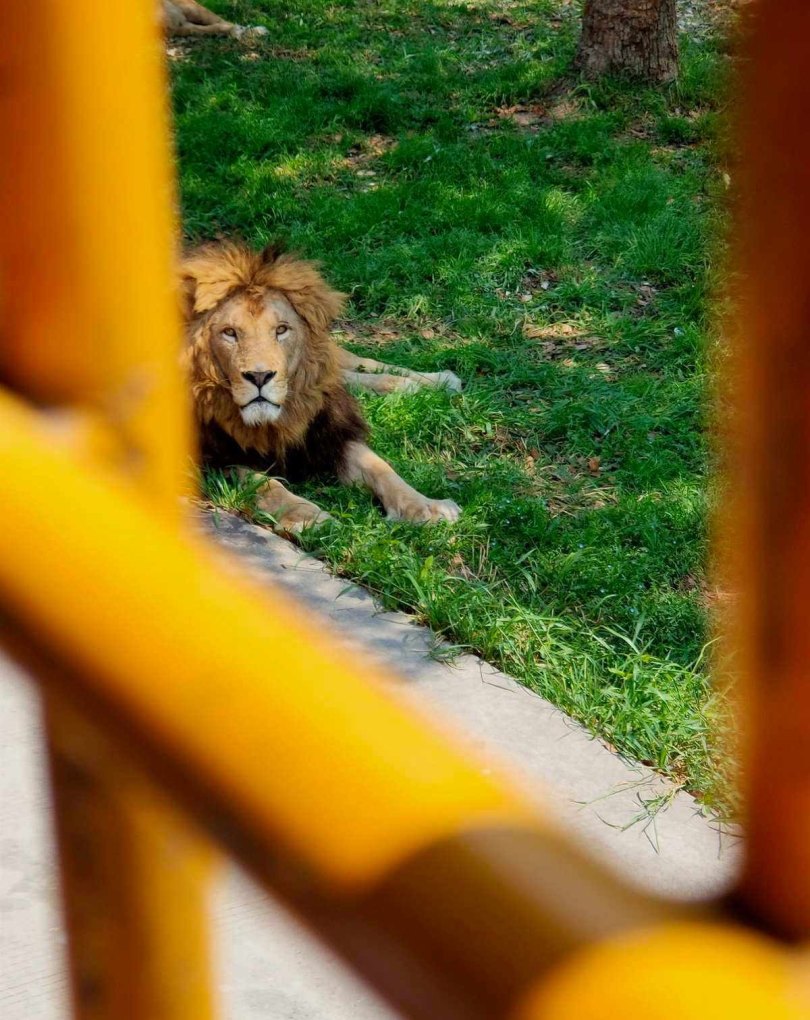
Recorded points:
(637, 37)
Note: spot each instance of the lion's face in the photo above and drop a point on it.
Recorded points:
(256, 341)
(259, 355)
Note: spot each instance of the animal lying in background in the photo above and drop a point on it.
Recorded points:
(268, 389)
(187, 17)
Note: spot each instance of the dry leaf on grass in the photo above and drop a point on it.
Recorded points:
(504, 19)
(530, 116)
(460, 568)
(554, 331)
(564, 109)
(538, 279)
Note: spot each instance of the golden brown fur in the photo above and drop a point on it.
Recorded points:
(267, 383)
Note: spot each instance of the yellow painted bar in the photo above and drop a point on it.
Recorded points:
(192, 656)
(676, 972)
(387, 838)
(91, 328)
(137, 881)
(86, 193)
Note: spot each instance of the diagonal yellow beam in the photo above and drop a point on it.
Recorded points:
(438, 881)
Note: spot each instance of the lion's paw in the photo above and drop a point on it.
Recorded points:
(397, 384)
(421, 510)
(297, 518)
(445, 380)
(289, 525)
(250, 33)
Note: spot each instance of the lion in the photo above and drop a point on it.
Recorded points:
(188, 18)
(268, 389)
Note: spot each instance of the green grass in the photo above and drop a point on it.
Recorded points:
(557, 258)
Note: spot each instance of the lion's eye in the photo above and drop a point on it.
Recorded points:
(282, 329)
(229, 332)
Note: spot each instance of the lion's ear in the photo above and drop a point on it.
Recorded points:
(271, 253)
(318, 306)
(307, 291)
(188, 289)
(209, 274)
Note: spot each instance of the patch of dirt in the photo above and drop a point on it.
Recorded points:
(530, 117)
(575, 486)
(538, 279)
(284, 53)
(645, 298)
(562, 339)
(534, 281)
(704, 18)
(642, 128)
(368, 150)
(504, 18)
(361, 157)
(557, 331)
(385, 332)
(178, 51)
(565, 107)
(378, 334)
(712, 597)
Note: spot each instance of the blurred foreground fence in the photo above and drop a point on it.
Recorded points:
(187, 711)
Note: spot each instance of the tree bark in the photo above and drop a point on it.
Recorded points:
(636, 37)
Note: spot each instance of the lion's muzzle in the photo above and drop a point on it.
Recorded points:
(260, 397)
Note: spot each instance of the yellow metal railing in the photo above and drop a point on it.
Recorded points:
(90, 329)
(180, 700)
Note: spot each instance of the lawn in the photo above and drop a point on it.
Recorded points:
(550, 241)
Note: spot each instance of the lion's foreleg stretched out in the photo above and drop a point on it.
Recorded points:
(401, 501)
(361, 466)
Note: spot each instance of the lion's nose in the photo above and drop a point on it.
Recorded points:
(258, 378)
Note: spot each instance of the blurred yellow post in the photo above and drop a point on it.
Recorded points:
(675, 972)
(771, 526)
(135, 877)
(90, 328)
(89, 312)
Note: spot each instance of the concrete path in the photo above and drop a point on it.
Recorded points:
(266, 966)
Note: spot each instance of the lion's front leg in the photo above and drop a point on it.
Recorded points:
(291, 513)
(401, 501)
